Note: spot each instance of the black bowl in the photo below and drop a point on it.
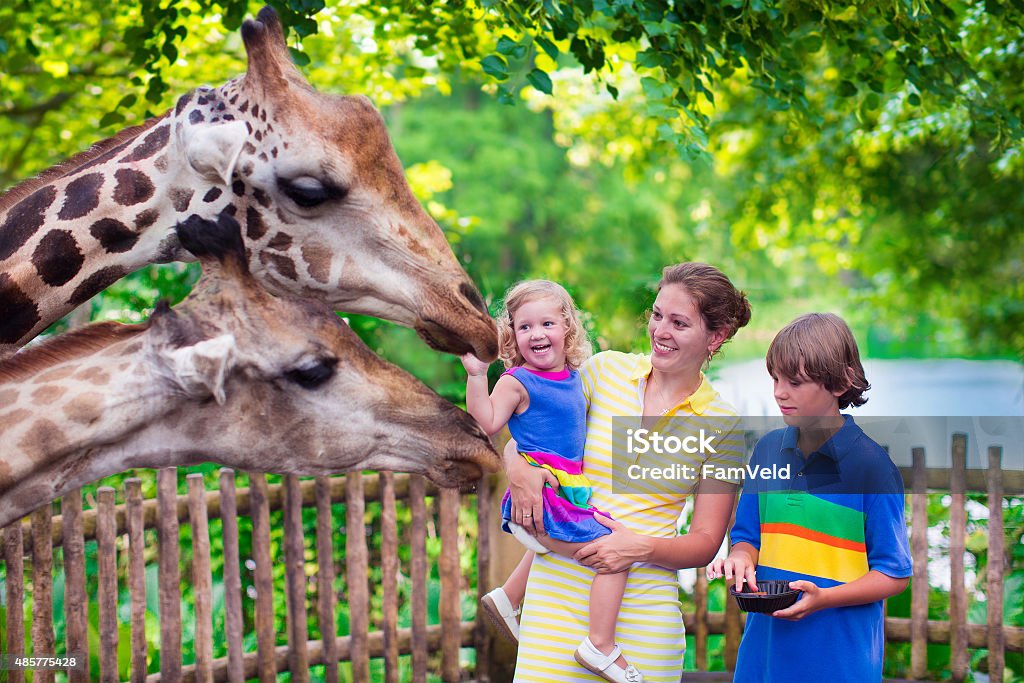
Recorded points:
(769, 597)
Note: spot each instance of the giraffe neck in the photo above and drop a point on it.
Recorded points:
(85, 224)
(58, 411)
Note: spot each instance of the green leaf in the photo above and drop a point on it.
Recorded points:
(170, 51)
(872, 101)
(495, 66)
(128, 101)
(550, 49)
(914, 99)
(299, 57)
(612, 90)
(540, 80)
(506, 45)
(847, 89)
(111, 118)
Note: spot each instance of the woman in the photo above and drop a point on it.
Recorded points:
(697, 309)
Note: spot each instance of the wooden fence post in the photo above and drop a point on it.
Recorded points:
(358, 597)
(418, 575)
(76, 604)
(481, 637)
(14, 559)
(389, 580)
(957, 543)
(233, 624)
(326, 596)
(136, 577)
(259, 508)
(295, 581)
(106, 548)
(169, 574)
(202, 581)
(449, 608)
(42, 588)
(996, 637)
(919, 557)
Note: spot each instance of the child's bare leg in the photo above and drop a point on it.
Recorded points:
(605, 599)
(515, 584)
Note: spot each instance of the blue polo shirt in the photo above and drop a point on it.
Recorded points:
(839, 515)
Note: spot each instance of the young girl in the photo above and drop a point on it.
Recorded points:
(540, 397)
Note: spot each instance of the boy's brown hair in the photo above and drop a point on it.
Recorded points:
(821, 348)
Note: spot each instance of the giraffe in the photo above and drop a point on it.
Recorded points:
(233, 374)
(327, 211)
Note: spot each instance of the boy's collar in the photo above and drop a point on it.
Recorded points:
(698, 400)
(836, 446)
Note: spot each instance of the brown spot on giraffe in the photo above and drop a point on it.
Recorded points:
(81, 196)
(18, 313)
(133, 187)
(57, 258)
(8, 397)
(255, 228)
(44, 396)
(58, 373)
(196, 116)
(180, 197)
(283, 264)
(261, 197)
(280, 241)
(212, 195)
(151, 144)
(161, 163)
(93, 375)
(24, 220)
(95, 283)
(5, 475)
(146, 218)
(8, 420)
(318, 261)
(85, 408)
(43, 439)
(113, 235)
(238, 187)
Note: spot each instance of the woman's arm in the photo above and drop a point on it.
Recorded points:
(526, 487)
(696, 548)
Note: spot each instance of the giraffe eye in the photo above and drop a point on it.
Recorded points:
(309, 192)
(313, 375)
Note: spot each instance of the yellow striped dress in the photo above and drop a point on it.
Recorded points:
(650, 627)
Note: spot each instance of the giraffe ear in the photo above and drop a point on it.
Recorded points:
(213, 149)
(200, 369)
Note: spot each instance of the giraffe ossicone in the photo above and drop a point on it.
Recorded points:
(234, 375)
(314, 179)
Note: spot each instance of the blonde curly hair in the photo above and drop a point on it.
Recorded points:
(577, 344)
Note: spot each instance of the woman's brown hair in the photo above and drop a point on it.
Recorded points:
(721, 305)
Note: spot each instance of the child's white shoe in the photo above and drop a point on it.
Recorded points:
(528, 541)
(500, 612)
(597, 662)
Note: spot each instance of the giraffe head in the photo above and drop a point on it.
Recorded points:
(326, 206)
(233, 374)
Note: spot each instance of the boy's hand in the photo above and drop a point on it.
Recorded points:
(737, 566)
(811, 601)
(474, 366)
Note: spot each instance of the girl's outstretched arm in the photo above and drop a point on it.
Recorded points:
(492, 412)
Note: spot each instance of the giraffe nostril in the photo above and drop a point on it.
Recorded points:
(469, 292)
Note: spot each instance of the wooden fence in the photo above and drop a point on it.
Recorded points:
(36, 538)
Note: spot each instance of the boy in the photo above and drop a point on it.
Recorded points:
(835, 529)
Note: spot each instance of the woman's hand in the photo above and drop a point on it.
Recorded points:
(526, 486)
(615, 552)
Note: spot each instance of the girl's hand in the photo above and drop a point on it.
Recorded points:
(615, 552)
(813, 599)
(737, 566)
(526, 486)
(474, 366)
